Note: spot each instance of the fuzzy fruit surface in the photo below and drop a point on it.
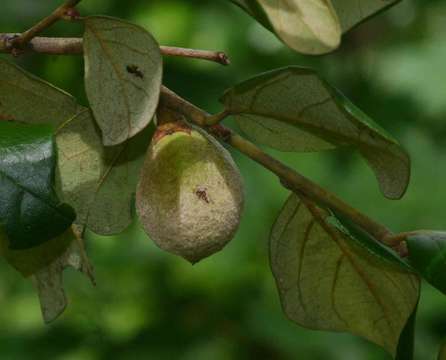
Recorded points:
(190, 194)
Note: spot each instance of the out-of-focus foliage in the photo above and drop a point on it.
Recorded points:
(149, 304)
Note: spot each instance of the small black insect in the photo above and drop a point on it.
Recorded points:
(134, 70)
(202, 194)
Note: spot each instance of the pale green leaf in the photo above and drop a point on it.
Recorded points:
(327, 282)
(353, 12)
(49, 280)
(293, 109)
(310, 27)
(98, 182)
(26, 98)
(123, 71)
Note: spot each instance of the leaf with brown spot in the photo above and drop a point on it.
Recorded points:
(328, 281)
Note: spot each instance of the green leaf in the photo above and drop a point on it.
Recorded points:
(98, 181)
(427, 254)
(327, 282)
(29, 261)
(353, 12)
(293, 109)
(26, 98)
(49, 280)
(310, 27)
(369, 244)
(338, 17)
(442, 351)
(123, 71)
(406, 344)
(30, 211)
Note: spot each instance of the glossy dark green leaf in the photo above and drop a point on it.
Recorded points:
(326, 281)
(30, 211)
(427, 254)
(123, 71)
(293, 109)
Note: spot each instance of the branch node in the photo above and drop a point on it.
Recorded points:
(223, 58)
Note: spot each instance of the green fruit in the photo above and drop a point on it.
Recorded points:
(190, 194)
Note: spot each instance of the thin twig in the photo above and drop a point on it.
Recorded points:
(24, 38)
(74, 46)
(44, 45)
(215, 56)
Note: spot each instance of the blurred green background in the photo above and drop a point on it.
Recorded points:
(151, 305)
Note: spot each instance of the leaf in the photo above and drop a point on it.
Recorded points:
(26, 98)
(98, 181)
(310, 27)
(123, 71)
(94, 179)
(353, 12)
(30, 211)
(349, 13)
(293, 109)
(406, 344)
(28, 261)
(427, 254)
(366, 241)
(442, 352)
(327, 282)
(49, 280)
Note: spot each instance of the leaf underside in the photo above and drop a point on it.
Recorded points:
(49, 280)
(99, 182)
(312, 27)
(293, 109)
(354, 12)
(26, 98)
(327, 282)
(123, 71)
